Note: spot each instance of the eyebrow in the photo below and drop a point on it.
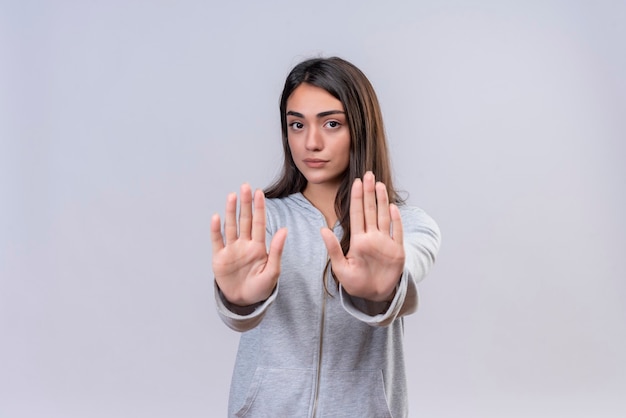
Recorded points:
(319, 115)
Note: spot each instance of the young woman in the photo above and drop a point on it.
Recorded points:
(319, 275)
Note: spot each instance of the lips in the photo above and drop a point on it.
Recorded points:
(315, 162)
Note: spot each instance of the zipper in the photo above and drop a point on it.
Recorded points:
(321, 345)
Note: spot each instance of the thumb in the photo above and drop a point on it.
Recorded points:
(276, 250)
(332, 246)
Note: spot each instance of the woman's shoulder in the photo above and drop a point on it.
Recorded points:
(411, 210)
(416, 217)
(282, 203)
(293, 203)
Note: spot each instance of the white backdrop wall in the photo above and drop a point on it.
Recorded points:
(124, 124)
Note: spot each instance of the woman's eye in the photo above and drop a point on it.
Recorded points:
(333, 124)
(296, 125)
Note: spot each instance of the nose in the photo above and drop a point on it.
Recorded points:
(313, 141)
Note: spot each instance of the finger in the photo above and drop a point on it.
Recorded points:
(245, 211)
(217, 241)
(230, 221)
(333, 247)
(382, 203)
(396, 224)
(258, 219)
(369, 202)
(357, 224)
(276, 250)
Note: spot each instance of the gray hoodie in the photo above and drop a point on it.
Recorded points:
(305, 353)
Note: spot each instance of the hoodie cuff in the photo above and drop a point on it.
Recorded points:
(241, 318)
(376, 313)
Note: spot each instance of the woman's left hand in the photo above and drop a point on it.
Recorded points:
(374, 263)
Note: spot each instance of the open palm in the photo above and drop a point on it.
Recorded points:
(244, 270)
(375, 261)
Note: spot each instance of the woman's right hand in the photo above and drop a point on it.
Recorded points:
(244, 271)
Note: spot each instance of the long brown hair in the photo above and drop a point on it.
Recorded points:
(368, 145)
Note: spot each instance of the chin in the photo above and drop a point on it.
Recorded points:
(323, 180)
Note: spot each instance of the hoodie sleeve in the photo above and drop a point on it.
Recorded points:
(422, 239)
(241, 318)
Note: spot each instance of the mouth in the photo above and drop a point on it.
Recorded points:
(315, 162)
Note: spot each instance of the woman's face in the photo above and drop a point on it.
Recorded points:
(318, 135)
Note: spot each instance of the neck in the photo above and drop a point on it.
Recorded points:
(323, 198)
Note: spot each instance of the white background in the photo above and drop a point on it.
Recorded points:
(124, 124)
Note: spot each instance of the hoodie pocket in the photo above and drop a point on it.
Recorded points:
(278, 393)
(353, 393)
